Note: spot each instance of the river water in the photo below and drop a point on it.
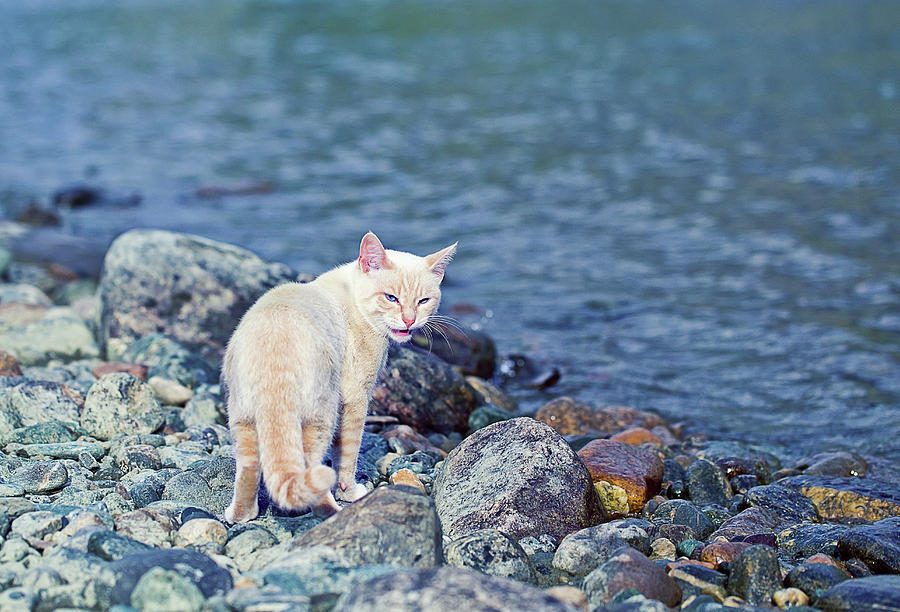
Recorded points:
(687, 207)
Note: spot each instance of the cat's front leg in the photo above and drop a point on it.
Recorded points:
(353, 419)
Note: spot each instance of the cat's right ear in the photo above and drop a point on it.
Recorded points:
(371, 254)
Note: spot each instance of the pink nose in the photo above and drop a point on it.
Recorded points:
(408, 321)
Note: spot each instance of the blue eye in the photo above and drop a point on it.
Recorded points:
(391, 298)
(423, 301)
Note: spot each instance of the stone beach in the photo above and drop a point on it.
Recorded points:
(116, 466)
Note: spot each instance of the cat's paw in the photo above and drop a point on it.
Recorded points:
(351, 493)
(234, 513)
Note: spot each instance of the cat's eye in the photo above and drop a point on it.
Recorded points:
(423, 301)
(391, 298)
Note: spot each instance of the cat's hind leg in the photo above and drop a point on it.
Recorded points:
(317, 436)
(244, 504)
(346, 448)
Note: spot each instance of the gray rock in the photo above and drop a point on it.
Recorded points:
(696, 580)
(160, 590)
(167, 358)
(36, 525)
(75, 566)
(423, 392)
(197, 568)
(445, 588)
(32, 402)
(152, 526)
(111, 546)
(203, 410)
(706, 484)
(63, 450)
(518, 476)
(243, 547)
(789, 505)
(629, 569)
(544, 543)
(807, 539)
(207, 485)
(190, 288)
(40, 476)
(322, 580)
(873, 593)
(23, 294)
(815, 578)
(268, 598)
(58, 334)
(877, 544)
(17, 599)
(120, 403)
(491, 552)
(683, 512)
(755, 575)
(391, 525)
(583, 551)
(49, 432)
(751, 521)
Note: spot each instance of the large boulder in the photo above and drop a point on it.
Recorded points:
(446, 588)
(518, 476)
(841, 499)
(393, 525)
(424, 392)
(120, 403)
(190, 288)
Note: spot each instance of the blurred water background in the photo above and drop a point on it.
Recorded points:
(688, 207)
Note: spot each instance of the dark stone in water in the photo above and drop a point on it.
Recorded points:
(672, 471)
(815, 578)
(873, 593)
(745, 466)
(838, 499)
(699, 580)
(706, 484)
(810, 538)
(766, 539)
(743, 482)
(755, 575)
(834, 464)
(789, 505)
(877, 544)
(683, 512)
(74, 196)
(472, 351)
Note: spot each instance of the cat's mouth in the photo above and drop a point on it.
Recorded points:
(401, 334)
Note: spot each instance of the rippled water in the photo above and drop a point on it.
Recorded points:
(689, 207)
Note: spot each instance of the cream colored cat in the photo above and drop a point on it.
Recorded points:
(300, 367)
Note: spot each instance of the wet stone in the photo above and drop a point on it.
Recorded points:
(751, 521)
(683, 512)
(718, 553)
(706, 484)
(869, 593)
(810, 538)
(788, 505)
(877, 544)
(634, 469)
(581, 552)
(491, 552)
(815, 578)
(570, 417)
(628, 568)
(755, 575)
(675, 533)
(839, 499)
(840, 463)
(743, 483)
(698, 580)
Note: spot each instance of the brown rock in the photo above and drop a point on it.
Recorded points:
(570, 417)
(630, 569)
(570, 595)
(823, 558)
(138, 370)
(9, 365)
(633, 468)
(751, 521)
(837, 498)
(406, 476)
(636, 436)
(492, 394)
(717, 553)
(410, 439)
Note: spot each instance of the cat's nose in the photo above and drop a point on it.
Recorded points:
(408, 321)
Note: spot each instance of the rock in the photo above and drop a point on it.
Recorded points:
(153, 527)
(815, 578)
(662, 549)
(742, 483)
(570, 417)
(58, 334)
(683, 512)
(445, 588)
(21, 293)
(50, 432)
(190, 288)
(569, 595)
(491, 552)
(167, 358)
(119, 403)
(629, 569)
(160, 590)
(405, 476)
(518, 476)
(207, 484)
(790, 598)
(636, 436)
(242, 546)
(751, 521)
(320, 581)
(613, 498)
(33, 402)
(694, 579)
(810, 538)
(676, 533)
(838, 499)
(9, 365)
(197, 568)
(706, 484)
(170, 392)
(404, 439)
(877, 544)
(138, 370)
(471, 351)
(755, 575)
(486, 415)
(788, 505)
(633, 468)
(40, 476)
(201, 531)
(491, 394)
(390, 525)
(423, 392)
(204, 409)
(839, 463)
(36, 525)
(17, 599)
(111, 546)
(583, 551)
(870, 593)
(717, 553)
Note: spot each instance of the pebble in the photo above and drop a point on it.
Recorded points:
(788, 505)
(637, 436)
(810, 538)
(581, 552)
(684, 512)
(161, 590)
(40, 476)
(170, 392)
(138, 370)
(628, 568)
(153, 527)
(869, 593)
(120, 402)
(405, 476)
(633, 468)
(491, 552)
(613, 498)
(663, 549)
(706, 484)
(755, 575)
(200, 531)
(695, 580)
(790, 598)
(569, 595)
(717, 553)
(815, 578)
(751, 521)
(570, 417)
(877, 544)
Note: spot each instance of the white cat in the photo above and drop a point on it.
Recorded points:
(300, 367)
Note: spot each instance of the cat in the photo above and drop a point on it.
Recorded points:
(300, 367)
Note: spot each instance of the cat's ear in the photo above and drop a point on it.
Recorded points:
(438, 261)
(371, 254)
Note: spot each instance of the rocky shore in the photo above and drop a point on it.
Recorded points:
(116, 467)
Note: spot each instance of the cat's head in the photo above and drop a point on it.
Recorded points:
(398, 291)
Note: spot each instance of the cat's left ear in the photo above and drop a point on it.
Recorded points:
(438, 261)
(371, 254)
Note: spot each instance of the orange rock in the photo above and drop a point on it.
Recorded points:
(823, 558)
(138, 370)
(717, 553)
(635, 436)
(570, 417)
(9, 365)
(635, 469)
(680, 562)
(405, 476)
(411, 439)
